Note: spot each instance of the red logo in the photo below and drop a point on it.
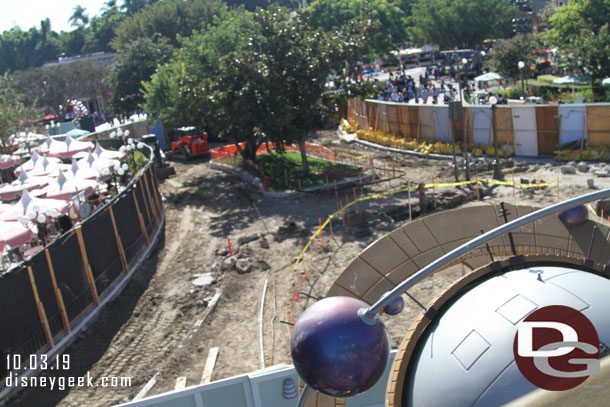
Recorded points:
(556, 348)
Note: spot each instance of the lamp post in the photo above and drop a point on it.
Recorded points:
(494, 102)
(521, 65)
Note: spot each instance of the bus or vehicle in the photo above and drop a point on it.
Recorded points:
(190, 144)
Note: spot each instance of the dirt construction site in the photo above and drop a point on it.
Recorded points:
(194, 313)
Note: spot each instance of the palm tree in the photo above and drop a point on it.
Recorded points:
(79, 18)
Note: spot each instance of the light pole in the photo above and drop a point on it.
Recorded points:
(494, 102)
(521, 65)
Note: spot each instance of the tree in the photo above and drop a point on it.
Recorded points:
(507, 54)
(13, 113)
(101, 30)
(169, 19)
(580, 30)
(79, 17)
(253, 78)
(460, 23)
(388, 19)
(49, 87)
(133, 65)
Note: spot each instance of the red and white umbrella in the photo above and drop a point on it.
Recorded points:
(31, 207)
(100, 152)
(11, 191)
(7, 161)
(31, 163)
(99, 164)
(45, 167)
(63, 149)
(66, 188)
(14, 234)
(83, 172)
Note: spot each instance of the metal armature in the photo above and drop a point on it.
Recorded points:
(368, 314)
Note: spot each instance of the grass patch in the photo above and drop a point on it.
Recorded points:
(548, 79)
(285, 170)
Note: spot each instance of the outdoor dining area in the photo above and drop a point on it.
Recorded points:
(61, 183)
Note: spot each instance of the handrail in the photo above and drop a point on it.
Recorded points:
(368, 314)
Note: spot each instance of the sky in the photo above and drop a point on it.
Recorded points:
(29, 13)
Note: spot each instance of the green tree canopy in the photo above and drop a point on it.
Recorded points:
(460, 23)
(507, 54)
(169, 19)
(13, 113)
(580, 30)
(48, 87)
(387, 17)
(253, 78)
(134, 64)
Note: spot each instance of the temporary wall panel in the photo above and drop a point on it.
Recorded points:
(572, 123)
(441, 124)
(479, 125)
(547, 122)
(524, 123)
(19, 319)
(504, 125)
(70, 272)
(46, 292)
(426, 122)
(102, 249)
(598, 117)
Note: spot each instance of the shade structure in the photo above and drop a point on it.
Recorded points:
(83, 172)
(606, 82)
(19, 139)
(8, 161)
(23, 183)
(31, 163)
(13, 234)
(488, 77)
(571, 80)
(99, 164)
(66, 188)
(100, 152)
(28, 204)
(47, 167)
(76, 133)
(63, 149)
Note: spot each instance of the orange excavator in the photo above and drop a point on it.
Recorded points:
(190, 144)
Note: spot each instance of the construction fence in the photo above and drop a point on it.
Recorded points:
(45, 297)
(351, 205)
(534, 130)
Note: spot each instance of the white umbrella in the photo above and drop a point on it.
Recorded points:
(66, 188)
(23, 183)
(29, 164)
(30, 206)
(47, 167)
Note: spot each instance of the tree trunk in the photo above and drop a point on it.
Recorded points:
(305, 164)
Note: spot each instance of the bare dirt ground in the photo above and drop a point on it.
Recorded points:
(155, 328)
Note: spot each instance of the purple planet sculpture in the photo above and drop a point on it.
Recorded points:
(334, 351)
(574, 216)
(395, 307)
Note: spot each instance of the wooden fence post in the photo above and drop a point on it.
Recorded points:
(140, 218)
(88, 272)
(40, 308)
(119, 243)
(58, 296)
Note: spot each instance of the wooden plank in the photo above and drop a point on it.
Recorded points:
(153, 189)
(88, 272)
(150, 199)
(547, 126)
(140, 218)
(147, 387)
(39, 306)
(180, 383)
(148, 210)
(58, 296)
(119, 243)
(206, 377)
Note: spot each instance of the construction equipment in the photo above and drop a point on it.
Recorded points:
(191, 145)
